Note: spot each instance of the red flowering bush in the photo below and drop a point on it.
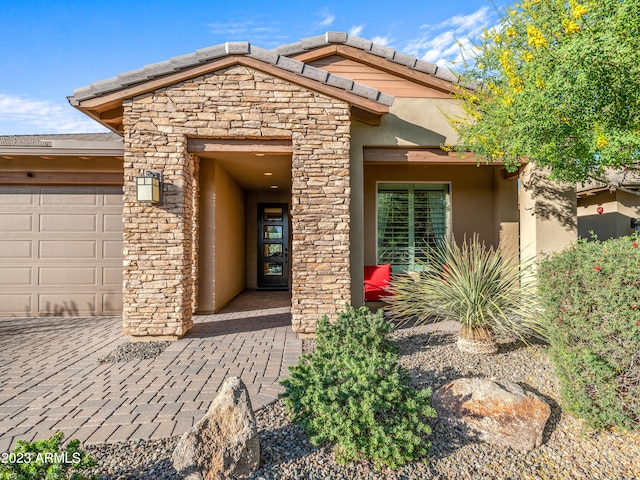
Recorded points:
(591, 294)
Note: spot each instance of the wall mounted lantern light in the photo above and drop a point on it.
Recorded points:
(149, 187)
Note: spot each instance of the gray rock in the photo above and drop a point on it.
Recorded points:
(497, 412)
(224, 442)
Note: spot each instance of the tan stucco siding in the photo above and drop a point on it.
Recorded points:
(410, 122)
(615, 221)
(548, 219)
(230, 260)
(472, 199)
(207, 222)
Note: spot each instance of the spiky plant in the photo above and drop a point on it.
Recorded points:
(484, 289)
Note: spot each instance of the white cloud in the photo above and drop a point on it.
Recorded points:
(452, 40)
(384, 41)
(327, 19)
(43, 116)
(356, 30)
(245, 30)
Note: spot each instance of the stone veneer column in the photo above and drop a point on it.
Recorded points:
(320, 222)
(160, 246)
(158, 240)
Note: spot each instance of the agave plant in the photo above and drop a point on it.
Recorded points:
(486, 290)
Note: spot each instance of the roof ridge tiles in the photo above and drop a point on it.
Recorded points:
(279, 57)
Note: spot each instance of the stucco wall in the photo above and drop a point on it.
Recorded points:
(548, 219)
(615, 221)
(207, 222)
(230, 260)
(410, 122)
(472, 199)
(221, 256)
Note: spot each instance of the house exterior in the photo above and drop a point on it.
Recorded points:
(290, 168)
(609, 212)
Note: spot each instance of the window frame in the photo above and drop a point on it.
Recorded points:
(448, 207)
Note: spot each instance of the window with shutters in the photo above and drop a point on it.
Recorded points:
(410, 217)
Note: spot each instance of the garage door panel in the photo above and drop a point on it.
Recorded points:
(71, 249)
(16, 196)
(112, 223)
(60, 250)
(50, 222)
(16, 223)
(111, 303)
(16, 304)
(15, 249)
(111, 276)
(18, 276)
(113, 197)
(64, 196)
(112, 249)
(66, 304)
(68, 276)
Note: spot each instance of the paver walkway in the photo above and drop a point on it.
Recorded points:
(50, 381)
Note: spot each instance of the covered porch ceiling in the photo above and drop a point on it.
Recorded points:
(255, 171)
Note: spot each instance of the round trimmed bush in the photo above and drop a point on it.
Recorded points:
(353, 393)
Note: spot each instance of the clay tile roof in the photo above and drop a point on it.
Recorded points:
(279, 58)
(365, 45)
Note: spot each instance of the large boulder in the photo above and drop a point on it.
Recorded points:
(497, 412)
(224, 443)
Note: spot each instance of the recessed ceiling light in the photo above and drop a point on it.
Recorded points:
(274, 186)
(259, 154)
(268, 174)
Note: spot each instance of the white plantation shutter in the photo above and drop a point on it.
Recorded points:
(410, 216)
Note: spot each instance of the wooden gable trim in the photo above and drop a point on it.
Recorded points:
(275, 146)
(380, 63)
(316, 54)
(430, 155)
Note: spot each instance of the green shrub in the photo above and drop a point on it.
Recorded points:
(353, 393)
(591, 296)
(44, 460)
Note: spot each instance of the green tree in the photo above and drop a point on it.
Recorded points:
(559, 85)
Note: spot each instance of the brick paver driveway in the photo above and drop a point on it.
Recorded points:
(50, 381)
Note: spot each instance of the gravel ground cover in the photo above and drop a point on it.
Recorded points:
(569, 450)
(134, 351)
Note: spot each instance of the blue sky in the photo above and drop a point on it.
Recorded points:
(51, 47)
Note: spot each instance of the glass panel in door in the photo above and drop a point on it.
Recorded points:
(273, 246)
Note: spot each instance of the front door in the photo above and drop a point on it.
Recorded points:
(273, 246)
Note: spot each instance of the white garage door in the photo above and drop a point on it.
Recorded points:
(60, 250)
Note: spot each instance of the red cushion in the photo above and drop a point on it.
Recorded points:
(376, 278)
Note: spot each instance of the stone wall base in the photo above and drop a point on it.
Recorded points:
(306, 335)
(154, 338)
